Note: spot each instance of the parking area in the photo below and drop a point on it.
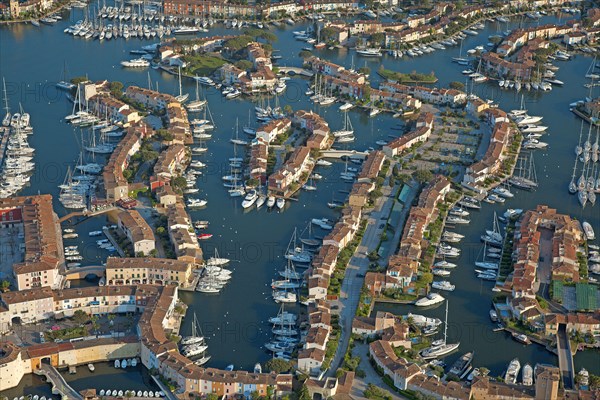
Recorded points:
(11, 250)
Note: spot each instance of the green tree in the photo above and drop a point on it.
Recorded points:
(287, 109)
(161, 230)
(278, 365)
(244, 65)
(423, 175)
(238, 42)
(457, 85)
(304, 395)
(426, 278)
(80, 317)
(4, 285)
(116, 88)
(304, 54)
(364, 70)
(127, 174)
(149, 155)
(180, 182)
(212, 396)
(328, 34)
(79, 79)
(377, 38)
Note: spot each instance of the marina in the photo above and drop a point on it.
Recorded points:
(258, 271)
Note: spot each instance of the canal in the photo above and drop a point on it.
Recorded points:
(234, 322)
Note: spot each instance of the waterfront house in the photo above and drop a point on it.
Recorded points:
(269, 131)
(171, 162)
(137, 231)
(152, 271)
(310, 360)
(149, 98)
(398, 369)
(41, 241)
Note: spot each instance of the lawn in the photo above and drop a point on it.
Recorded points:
(413, 77)
(202, 65)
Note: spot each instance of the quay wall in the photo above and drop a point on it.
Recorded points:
(24, 361)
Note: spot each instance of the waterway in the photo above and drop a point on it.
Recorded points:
(33, 59)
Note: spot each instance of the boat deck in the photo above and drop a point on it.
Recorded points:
(4, 133)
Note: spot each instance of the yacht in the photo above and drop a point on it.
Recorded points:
(216, 260)
(444, 264)
(204, 80)
(250, 199)
(500, 191)
(280, 203)
(512, 372)
(270, 201)
(191, 202)
(442, 348)
(136, 63)
(283, 317)
(323, 223)
(185, 30)
(443, 285)
(588, 230)
(462, 366)
(527, 375)
(299, 255)
(369, 52)
(429, 300)
(284, 297)
(194, 350)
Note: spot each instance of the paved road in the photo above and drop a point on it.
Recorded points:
(359, 265)
(565, 359)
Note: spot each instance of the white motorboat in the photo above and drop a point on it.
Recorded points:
(250, 199)
(429, 300)
(136, 63)
(512, 372)
(280, 203)
(191, 202)
(443, 285)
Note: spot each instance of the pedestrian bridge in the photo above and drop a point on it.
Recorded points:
(59, 385)
(296, 70)
(83, 272)
(342, 153)
(85, 214)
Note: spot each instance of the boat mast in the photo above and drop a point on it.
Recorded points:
(446, 325)
(179, 69)
(6, 107)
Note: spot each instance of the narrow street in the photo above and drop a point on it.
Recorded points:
(357, 268)
(371, 376)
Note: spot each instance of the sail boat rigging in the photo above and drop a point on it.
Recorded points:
(444, 347)
(197, 104)
(182, 98)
